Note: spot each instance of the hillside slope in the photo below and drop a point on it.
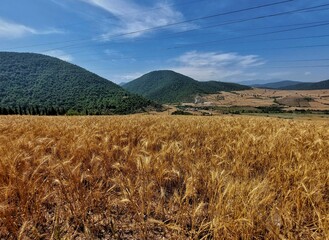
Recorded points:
(170, 87)
(28, 79)
(309, 86)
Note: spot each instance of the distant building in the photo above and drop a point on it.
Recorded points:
(198, 100)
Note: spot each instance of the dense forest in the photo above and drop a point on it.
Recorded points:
(170, 87)
(38, 84)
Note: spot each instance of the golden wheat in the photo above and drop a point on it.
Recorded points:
(156, 177)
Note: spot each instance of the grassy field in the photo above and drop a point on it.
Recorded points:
(290, 99)
(163, 177)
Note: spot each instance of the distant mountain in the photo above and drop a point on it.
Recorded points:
(277, 85)
(34, 80)
(258, 81)
(169, 87)
(122, 83)
(309, 86)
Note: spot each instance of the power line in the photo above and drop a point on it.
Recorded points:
(147, 10)
(278, 39)
(298, 38)
(281, 39)
(177, 23)
(238, 38)
(293, 47)
(291, 38)
(248, 36)
(314, 8)
(173, 35)
(222, 24)
(286, 30)
(209, 16)
(258, 67)
(276, 61)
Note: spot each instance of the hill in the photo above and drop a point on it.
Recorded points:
(166, 86)
(35, 81)
(254, 82)
(309, 86)
(277, 85)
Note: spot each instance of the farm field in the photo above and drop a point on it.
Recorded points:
(290, 99)
(163, 177)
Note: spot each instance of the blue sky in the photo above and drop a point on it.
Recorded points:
(123, 39)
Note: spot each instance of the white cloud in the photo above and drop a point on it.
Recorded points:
(134, 18)
(278, 74)
(215, 65)
(60, 54)
(14, 30)
(49, 31)
(307, 73)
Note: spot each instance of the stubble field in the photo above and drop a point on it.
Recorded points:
(290, 99)
(163, 177)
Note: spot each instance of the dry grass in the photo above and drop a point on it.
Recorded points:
(144, 177)
(292, 99)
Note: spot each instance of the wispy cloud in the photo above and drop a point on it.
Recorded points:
(49, 31)
(11, 30)
(277, 74)
(216, 65)
(60, 54)
(134, 18)
(115, 55)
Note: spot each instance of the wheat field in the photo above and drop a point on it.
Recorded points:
(163, 177)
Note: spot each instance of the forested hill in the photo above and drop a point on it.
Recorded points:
(170, 87)
(309, 86)
(277, 85)
(35, 82)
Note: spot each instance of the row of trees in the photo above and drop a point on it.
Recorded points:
(58, 111)
(32, 110)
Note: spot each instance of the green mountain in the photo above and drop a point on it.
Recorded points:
(309, 86)
(170, 87)
(29, 80)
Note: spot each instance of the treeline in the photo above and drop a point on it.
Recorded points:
(47, 111)
(32, 110)
(120, 109)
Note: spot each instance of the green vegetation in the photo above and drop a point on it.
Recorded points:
(180, 112)
(171, 87)
(233, 109)
(247, 110)
(43, 85)
(271, 109)
(309, 86)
